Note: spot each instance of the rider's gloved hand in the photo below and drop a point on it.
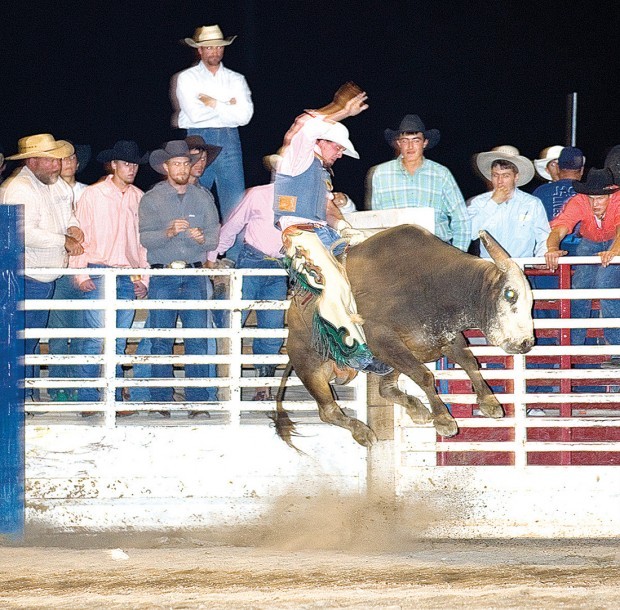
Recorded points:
(353, 236)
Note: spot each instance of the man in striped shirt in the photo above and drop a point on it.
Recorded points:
(412, 180)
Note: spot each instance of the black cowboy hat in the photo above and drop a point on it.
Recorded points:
(599, 182)
(198, 142)
(174, 148)
(123, 150)
(412, 123)
(83, 153)
(612, 161)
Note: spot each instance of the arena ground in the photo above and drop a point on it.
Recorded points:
(311, 553)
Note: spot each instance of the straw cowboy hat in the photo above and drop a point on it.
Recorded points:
(525, 167)
(412, 123)
(174, 148)
(209, 36)
(42, 145)
(123, 150)
(551, 153)
(599, 182)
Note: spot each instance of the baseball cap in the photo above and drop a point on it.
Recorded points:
(571, 158)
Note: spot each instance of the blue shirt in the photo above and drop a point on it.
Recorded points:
(519, 225)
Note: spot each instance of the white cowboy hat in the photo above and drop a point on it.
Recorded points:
(339, 134)
(525, 167)
(209, 36)
(42, 145)
(551, 153)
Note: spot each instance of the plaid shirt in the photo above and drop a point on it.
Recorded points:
(431, 185)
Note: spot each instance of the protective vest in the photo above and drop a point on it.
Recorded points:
(304, 195)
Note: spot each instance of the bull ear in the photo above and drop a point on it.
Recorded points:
(498, 254)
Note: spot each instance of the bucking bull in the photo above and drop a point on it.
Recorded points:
(416, 295)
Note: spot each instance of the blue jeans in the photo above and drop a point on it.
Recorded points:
(35, 319)
(226, 172)
(94, 318)
(191, 288)
(329, 236)
(595, 276)
(65, 318)
(263, 288)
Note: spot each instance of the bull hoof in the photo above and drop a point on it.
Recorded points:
(491, 407)
(445, 425)
(364, 435)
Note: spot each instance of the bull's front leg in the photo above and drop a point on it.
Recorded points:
(460, 353)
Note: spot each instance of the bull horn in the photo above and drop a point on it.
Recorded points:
(498, 254)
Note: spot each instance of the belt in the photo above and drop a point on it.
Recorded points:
(176, 265)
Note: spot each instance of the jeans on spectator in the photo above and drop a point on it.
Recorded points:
(35, 319)
(182, 287)
(65, 318)
(94, 318)
(226, 172)
(595, 276)
(263, 288)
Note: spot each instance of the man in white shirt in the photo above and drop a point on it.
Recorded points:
(213, 102)
(51, 231)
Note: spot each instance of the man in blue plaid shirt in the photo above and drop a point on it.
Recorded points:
(411, 180)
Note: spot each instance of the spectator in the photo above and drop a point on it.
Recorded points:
(108, 214)
(178, 225)
(514, 218)
(261, 250)
(51, 231)
(65, 287)
(554, 194)
(213, 102)
(597, 207)
(612, 161)
(547, 166)
(310, 221)
(412, 180)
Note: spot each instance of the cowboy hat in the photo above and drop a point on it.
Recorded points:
(172, 149)
(123, 150)
(551, 153)
(198, 142)
(339, 134)
(525, 167)
(83, 153)
(42, 145)
(412, 123)
(209, 36)
(599, 182)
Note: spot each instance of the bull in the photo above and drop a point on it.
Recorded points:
(416, 294)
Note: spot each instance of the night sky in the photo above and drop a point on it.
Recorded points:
(483, 73)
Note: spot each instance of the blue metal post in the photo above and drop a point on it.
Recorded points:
(11, 373)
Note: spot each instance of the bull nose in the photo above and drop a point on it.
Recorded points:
(526, 345)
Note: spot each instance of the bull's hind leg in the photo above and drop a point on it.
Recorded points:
(461, 354)
(388, 388)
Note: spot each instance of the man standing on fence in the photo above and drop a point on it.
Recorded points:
(178, 226)
(213, 102)
(51, 231)
(108, 215)
(597, 207)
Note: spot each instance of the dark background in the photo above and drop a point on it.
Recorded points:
(483, 73)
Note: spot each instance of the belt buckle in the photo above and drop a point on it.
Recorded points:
(178, 265)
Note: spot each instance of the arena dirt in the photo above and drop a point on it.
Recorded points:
(317, 552)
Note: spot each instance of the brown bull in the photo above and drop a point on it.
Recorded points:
(417, 295)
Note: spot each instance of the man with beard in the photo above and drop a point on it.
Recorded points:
(108, 215)
(51, 231)
(178, 226)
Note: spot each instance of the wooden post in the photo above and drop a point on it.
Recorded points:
(381, 465)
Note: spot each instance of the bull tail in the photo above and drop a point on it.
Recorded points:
(285, 427)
